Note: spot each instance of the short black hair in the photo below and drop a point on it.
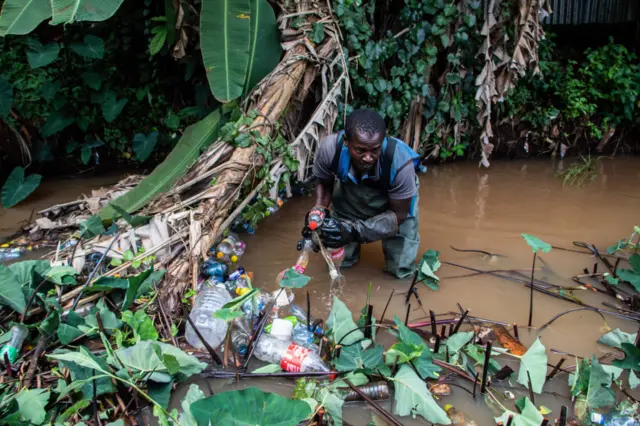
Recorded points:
(364, 121)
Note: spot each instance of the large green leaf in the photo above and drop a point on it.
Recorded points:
(341, 323)
(55, 123)
(264, 44)
(143, 145)
(632, 276)
(615, 338)
(59, 274)
(20, 17)
(533, 361)
(92, 47)
(632, 357)
(193, 394)
(427, 267)
(412, 397)
(530, 416)
(225, 30)
(68, 333)
(536, 244)
(141, 324)
(195, 138)
(40, 55)
(249, 407)
(294, 279)
(143, 358)
(354, 358)
(32, 403)
(6, 97)
(29, 272)
(112, 107)
(16, 188)
(82, 364)
(68, 11)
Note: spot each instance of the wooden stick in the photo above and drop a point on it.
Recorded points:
(434, 327)
(384, 413)
(406, 318)
(533, 268)
(532, 396)
(563, 416)
(485, 369)
(459, 323)
(515, 332)
(556, 368)
(387, 305)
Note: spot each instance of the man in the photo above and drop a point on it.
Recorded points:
(369, 181)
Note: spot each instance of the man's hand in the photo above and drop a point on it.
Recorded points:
(336, 233)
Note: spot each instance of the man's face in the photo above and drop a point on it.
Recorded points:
(364, 150)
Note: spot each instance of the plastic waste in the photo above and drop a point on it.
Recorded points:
(376, 391)
(458, 418)
(302, 336)
(12, 348)
(422, 168)
(613, 419)
(226, 250)
(240, 335)
(302, 262)
(291, 357)
(301, 315)
(316, 217)
(213, 268)
(208, 301)
(9, 256)
(239, 249)
(281, 328)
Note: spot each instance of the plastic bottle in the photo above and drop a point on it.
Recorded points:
(213, 268)
(612, 420)
(302, 336)
(225, 250)
(377, 391)
(12, 348)
(301, 314)
(291, 357)
(457, 417)
(239, 248)
(208, 301)
(240, 335)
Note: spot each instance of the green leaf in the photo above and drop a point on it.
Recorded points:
(477, 353)
(341, 323)
(134, 221)
(57, 274)
(41, 56)
(142, 358)
(158, 40)
(227, 314)
(294, 279)
(92, 79)
(354, 358)
(75, 408)
(425, 367)
(80, 373)
(20, 17)
(632, 357)
(535, 362)
(264, 43)
(634, 382)
(406, 335)
(16, 188)
(193, 394)
(453, 78)
(10, 291)
(29, 273)
(141, 324)
(108, 284)
(470, 19)
(225, 32)
(536, 244)
(81, 358)
(141, 284)
(93, 47)
(68, 11)
(172, 121)
(412, 397)
(269, 368)
(402, 353)
(32, 403)
(616, 338)
(91, 227)
(332, 404)
(49, 89)
(6, 97)
(160, 392)
(427, 267)
(111, 107)
(530, 416)
(143, 145)
(68, 333)
(196, 137)
(267, 409)
(457, 342)
(55, 123)
(444, 38)
(317, 32)
(632, 276)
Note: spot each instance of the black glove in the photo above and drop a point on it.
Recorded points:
(336, 233)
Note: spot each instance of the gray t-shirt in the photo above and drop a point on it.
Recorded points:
(402, 187)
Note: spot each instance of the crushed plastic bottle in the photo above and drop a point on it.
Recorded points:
(458, 418)
(225, 252)
(613, 419)
(301, 315)
(303, 337)
(12, 348)
(291, 357)
(213, 268)
(240, 335)
(377, 391)
(208, 301)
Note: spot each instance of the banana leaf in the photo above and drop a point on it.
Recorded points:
(20, 17)
(225, 30)
(264, 45)
(68, 11)
(195, 138)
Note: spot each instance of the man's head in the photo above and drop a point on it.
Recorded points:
(364, 133)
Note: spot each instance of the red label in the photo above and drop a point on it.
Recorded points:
(338, 254)
(293, 358)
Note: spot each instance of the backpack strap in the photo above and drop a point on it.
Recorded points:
(335, 163)
(387, 162)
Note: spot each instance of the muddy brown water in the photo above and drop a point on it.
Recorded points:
(467, 207)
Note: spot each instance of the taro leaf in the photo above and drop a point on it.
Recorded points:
(160, 392)
(599, 393)
(530, 416)
(612, 371)
(227, 314)
(141, 324)
(91, 227)
(269, 368)
(93, 47)
(341, 323)
(32, 403)
(82, 364)
(238, 301)
(68, 333)
(294, 279)
(10, 291)
(402, 353)
(616, 338)
(134, 221)
(425, 367)
(92, 79)
(108, 284)
(143, 359)
(266, 409)
(16, 188)
(112, 107)
(49, 89)
(140, 284)
(457, 342)
(6, 97)
(412, 397)
(118, 422)
(41, 56)
(354, 358)
(109, 320)
(632, 357)
(406, 335)
(634, 382)
(477, 353)
(29, 273)
(50, 324)
(317, 32)
(632, 276)
(357, 379)
(536, 243)
(332, 404)
(535, 362)
(61, 275)
(427, 267)
(143, 145)
(172, 121)
(55, 123)
(193, 394)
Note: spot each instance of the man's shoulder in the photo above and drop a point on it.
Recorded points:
(327, 148)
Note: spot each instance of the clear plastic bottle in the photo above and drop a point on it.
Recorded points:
(302, 262)
(240, 335)
(12, 349)
(208, 301)
(239, 249)
(225, 250)
(301, 315)
(291, 357)
(303, 337)
(458, 418)
(613, 420)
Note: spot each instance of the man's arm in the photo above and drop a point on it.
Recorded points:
(324, 192)
(401, 208)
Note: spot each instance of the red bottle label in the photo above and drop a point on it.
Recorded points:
(338, 254)
(316, 216)
(293, 358)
